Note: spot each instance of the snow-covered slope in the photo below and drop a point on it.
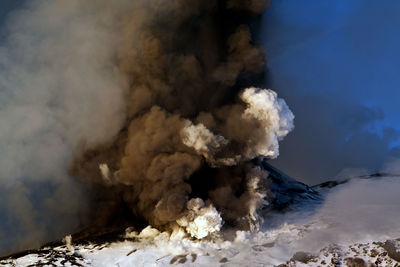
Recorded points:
(355, 223)
(246, 250)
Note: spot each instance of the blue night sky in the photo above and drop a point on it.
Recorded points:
(344, 47)
(335, 62)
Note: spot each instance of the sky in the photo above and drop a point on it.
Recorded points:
(335, 63)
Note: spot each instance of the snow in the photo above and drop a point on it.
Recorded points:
(358, 223)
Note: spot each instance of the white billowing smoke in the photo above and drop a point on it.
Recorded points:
(202, 140)
(105, 172)
(274, 115)
(359, 212)
(273, 120)
(200, 220)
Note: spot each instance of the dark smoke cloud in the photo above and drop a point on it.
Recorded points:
(177, 114)
(145, 104)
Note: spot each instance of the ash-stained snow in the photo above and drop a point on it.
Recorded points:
(236, 253)
(357, 224)
(385, 253)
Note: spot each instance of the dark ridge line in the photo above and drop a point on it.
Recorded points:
(333, 183)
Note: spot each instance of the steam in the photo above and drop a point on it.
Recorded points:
(360, 211)
(131, 102)
(200, 220)
(56, 81)
(363, 211)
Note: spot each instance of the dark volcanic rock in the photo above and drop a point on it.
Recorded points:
(303, 257)
(391, 250)
(288, 191)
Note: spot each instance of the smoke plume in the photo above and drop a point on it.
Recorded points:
(146, 105)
